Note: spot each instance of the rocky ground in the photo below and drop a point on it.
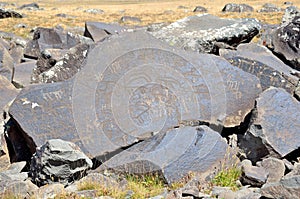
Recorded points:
(199, 105)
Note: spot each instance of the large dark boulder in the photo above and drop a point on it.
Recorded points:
(58, 161)
(286, 42)
(50, 69)
(174, 154)
(261, 62)
(274, 128)
(131, 86)
(98, 31)
(9, 13)
(199, 33)
(232, 7)
(48, 38)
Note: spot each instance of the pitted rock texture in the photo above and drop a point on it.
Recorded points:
(199, 33)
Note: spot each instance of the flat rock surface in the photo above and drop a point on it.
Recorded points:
(7, 92)
(287, 188)
(23, 72)
(200, 32)
(126, 93)
(174, 153)
(261, 62)
(275, 123)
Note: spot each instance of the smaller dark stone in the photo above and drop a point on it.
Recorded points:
(9, 13)
(94, 11)
(253, 175)
(126, 19)
(199, 9)
(58, 161)
(232, 7)
(30, 6)
(268, 7)
(182, 7)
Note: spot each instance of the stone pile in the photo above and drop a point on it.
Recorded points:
(192, 97)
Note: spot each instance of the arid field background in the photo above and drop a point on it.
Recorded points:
(149, 11)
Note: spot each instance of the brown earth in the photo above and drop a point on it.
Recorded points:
(149, 11)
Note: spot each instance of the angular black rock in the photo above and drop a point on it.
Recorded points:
(49, 70)
(286, 42)
(275, 126)
(45, 38)
(261, 62)
(9, 13)
(199, 33)
(199, 9)
(173, 154)
(232, 7)
(131, 86)
(268, 7)
(98, 31)
(58, 161)
(23, 73)
(6, 63)
(290, 13)
(288, 187)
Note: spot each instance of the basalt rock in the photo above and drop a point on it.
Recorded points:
(286, 42)
(58, 161)
(9, 13)
(6, 63)
(50, 69)
(200, 150)
(261, 62)
(46, 38)
(118, 98)
(98, 31)
(273, 130)
(232, 7)
(199, 33)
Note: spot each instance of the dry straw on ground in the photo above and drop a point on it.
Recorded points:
(149, 11)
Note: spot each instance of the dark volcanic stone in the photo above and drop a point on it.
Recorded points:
(6, 63)
(49, 70)
(199, 33)
(253, 175)
(268, 7)
(58, 161)
(131, 86)
(7, 92)
(261, 62)
(232, 7)
(126, 19)
(286, 42)
(45, 38)
(199, 9)
(9, 13)
(98, 31)
(275, 168)
(23, 73)
(274, 128)
(94, 11)
(30, 6)
(288, 187)
(290, 13)
(173, 154)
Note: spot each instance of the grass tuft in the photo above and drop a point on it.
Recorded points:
(228, 178)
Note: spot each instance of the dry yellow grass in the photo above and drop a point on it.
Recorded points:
(149, 11)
